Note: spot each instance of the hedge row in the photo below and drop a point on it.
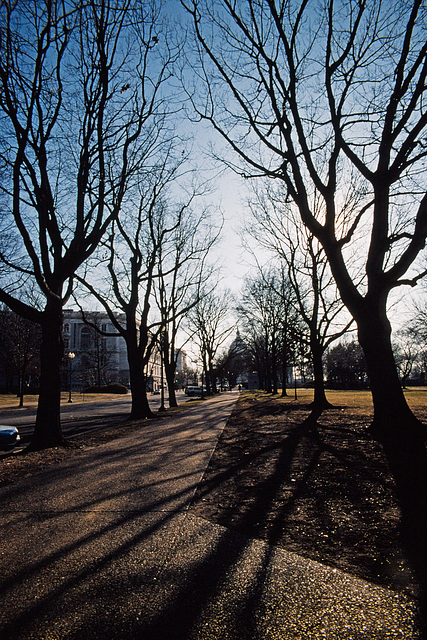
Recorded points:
(114, 387)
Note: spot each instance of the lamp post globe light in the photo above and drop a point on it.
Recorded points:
(71, 357)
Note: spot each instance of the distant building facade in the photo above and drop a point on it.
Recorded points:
(96, 359)
(181, 360)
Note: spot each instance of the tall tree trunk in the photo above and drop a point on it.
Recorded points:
(407, 458)
(21, 387)
(259, 367)
(274, 362)
(140, 405)
(391, 411)
(169, 365)
(170, 380)
(320, 401)
(48, 432)
(403, 438)
(284, 358)
(212, 376)
(268, 385)
(208, 378)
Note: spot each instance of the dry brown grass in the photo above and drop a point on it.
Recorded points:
(9, 400)
(360, 402)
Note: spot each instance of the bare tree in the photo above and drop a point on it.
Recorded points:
(406, 351)
(275, 227)
(128, 265)
(209, 325)
(76, 94)
(232, 363)
(330, 99)
(19, 350)
(260, 308)
(272, 328)
(416, 331)
(346, 366)
(182, 273)
(95, 360)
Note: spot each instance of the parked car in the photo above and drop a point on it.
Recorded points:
(9, 438)
(194, 391)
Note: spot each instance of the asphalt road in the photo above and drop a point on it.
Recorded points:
(78, 417)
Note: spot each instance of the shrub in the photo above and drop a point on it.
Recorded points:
(114, 387)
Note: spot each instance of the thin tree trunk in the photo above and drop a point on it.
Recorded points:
(274, 363)
(207, 377)
(212, 377)
(284, 359)
(268, 386)
(170, 380)
(21, 388)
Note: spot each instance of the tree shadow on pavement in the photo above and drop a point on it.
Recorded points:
(132, 563)
(322, 490)
(98, 510)
(176, 622)
(311, 616)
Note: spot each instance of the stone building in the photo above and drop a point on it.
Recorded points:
(96, 359)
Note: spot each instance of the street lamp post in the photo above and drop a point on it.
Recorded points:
(162, 389)
(295, 382)
(71, 357)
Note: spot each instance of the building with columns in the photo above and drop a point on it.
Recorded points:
(96, 359)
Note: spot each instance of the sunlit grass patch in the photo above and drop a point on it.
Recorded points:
(358, 401)
(10, 400)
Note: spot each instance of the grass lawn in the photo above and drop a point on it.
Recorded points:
(362, 400)
(9, 400)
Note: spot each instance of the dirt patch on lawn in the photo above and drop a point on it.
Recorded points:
(323, 491)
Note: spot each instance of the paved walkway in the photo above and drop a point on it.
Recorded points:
(104, 546)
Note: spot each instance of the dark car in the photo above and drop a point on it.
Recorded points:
(195, 391)
(9, 438)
